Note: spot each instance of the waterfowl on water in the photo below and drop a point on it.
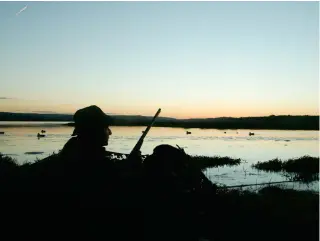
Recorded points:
(43, 131)
(251, 134)
(1, 132)
(40, 135)
(188, 132)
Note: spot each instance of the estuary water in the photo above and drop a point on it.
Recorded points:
(20, 142)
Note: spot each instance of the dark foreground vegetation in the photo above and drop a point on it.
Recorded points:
(305, 168)
(48, 200)
(267, 122)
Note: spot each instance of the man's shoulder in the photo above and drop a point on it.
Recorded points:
(70, 147)
(71, 143)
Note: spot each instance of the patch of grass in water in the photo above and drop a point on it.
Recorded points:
(305, 164)
(203, 162)
(274, 165)
(305, 168)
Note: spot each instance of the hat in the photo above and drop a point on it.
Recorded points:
(88, 118)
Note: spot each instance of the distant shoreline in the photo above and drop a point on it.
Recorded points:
(43, 124)
(272, 122)
(219, 128)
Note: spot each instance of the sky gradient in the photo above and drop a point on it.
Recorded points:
(192, 59)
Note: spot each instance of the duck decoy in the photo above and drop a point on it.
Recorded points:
(40, 135)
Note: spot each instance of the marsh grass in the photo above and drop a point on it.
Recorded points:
(7, 161)
(8, 165)
(201, 162)
(204, 162)
(305, 168)
(268, 213)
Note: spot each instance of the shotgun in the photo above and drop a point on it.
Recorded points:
(137, 147)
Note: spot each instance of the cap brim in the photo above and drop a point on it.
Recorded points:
(108, 121)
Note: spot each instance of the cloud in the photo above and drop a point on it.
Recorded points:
(21, 10)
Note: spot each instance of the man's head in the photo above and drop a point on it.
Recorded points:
(92, 125)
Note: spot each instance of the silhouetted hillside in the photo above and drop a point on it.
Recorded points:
(9, 116)
(270, 122)
(267, 122)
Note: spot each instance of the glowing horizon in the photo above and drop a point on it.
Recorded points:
(179, 113)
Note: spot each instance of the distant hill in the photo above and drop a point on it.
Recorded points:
(10, 116)
(267, 122)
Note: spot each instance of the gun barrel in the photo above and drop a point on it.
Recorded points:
(140, 141)
(149, 126)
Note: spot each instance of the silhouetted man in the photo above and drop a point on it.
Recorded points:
(77, 185)
(91, 133)
(85, 167)
(94, 179)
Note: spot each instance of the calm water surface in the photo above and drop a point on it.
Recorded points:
(20, 139)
